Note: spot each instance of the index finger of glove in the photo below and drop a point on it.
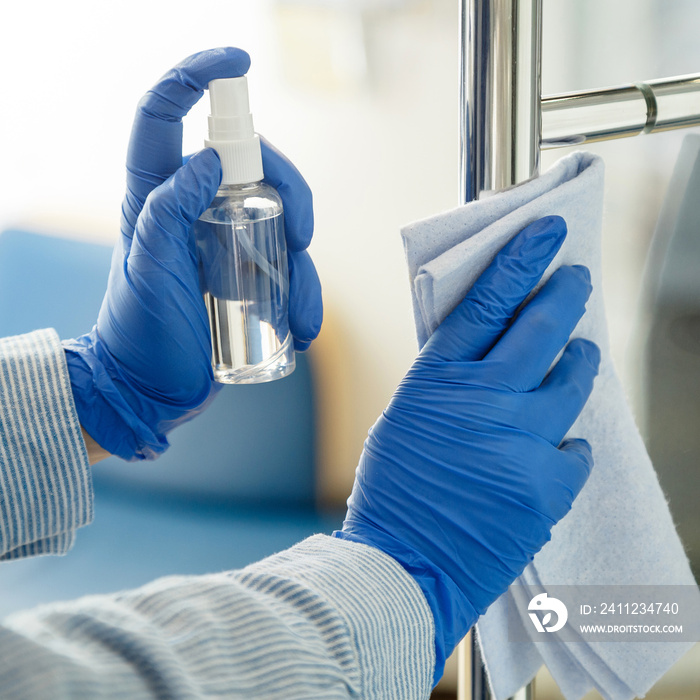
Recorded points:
(155, 147)
(281, 173)
(470, 331)
(527, 349)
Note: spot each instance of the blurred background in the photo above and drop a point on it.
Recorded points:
(363, 96)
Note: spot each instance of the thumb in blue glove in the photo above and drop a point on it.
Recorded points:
(465, 473)
(145, 367)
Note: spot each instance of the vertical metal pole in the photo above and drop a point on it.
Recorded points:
(500, 94)
(500, 131)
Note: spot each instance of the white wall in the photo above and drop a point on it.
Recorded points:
(364, 103)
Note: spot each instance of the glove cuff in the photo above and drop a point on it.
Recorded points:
(104, 412)
(453, 614)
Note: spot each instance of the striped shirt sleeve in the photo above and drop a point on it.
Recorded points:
(325, 619)
(45, 488)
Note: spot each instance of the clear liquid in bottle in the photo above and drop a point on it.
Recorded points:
(245, 282)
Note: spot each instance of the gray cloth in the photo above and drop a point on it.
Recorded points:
(619, 530)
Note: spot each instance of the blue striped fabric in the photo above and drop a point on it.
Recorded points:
(325, 619)
(44, 475)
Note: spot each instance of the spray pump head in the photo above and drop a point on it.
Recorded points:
(231, 132)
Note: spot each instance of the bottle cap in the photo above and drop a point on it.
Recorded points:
(231, 132)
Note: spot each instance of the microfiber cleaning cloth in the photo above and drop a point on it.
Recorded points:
(619, 531)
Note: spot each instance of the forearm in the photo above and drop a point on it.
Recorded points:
(325, 619)
(44, 474)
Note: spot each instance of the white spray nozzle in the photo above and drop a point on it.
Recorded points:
(231, 132)
(229, 97)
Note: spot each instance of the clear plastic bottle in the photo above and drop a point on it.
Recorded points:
(243, 253)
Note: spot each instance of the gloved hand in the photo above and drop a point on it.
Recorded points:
(146, 366)
(465, 473)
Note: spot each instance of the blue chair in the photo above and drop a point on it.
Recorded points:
(237, 484)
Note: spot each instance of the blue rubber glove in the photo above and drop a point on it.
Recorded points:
(463, 475)
(146, 365)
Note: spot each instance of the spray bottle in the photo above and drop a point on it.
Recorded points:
(242, 251)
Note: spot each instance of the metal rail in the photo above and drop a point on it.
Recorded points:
(617, 112)
(500, 113)
(500, 94)
(502, 119)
